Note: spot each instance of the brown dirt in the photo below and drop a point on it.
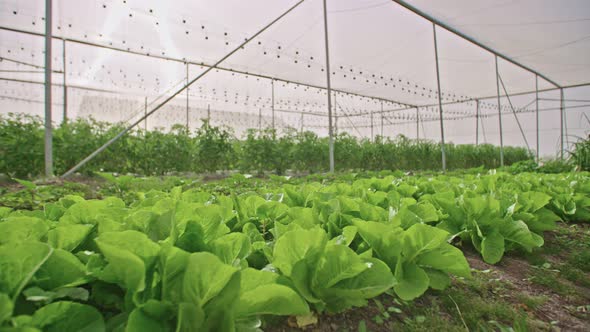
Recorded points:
(557, 308)
(348, 320)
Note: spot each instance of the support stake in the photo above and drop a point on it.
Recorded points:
(187, 128)
(561, 121)
(537, 112)
(48, 120)
(499, 114)
(382, 119)
(301, 122)
(372, 136)
(329, 91)
(65, 87)
(272, 86)
(440, 109)
(145, 114)
(514, 113)
(476, 122)
(335, 116)
(417, 124)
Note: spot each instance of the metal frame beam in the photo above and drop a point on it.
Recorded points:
(440, 109)
(463, 117)
(499, 113)
(478, 98)
(561, 115)
(418, 124)
(160, 105)
(476, 122)
(187, 98)
(329, 87)
(408, 106)
(272, 87)
(514, 113)
(202, 64)
(48, 73)
(470, 39)
(537, 112)
(65, 85)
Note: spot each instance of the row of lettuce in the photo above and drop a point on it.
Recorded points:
(211, 148)
(189, 260)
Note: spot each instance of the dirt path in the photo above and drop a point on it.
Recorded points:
(557, 310)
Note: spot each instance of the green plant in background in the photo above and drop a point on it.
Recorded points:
(214, 149)
(310, 152)
(347, 152)
(580, 156)
(259, 151)
(522, 166)
(555, 166)
(31, 188)
(21, 145)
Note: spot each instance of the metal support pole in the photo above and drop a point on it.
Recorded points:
(179, 91)
(259, 119)
(187, 90)
(65, 86)
(48, 120)
(382, 119)
(440, 109)
(208, 113)
(499, 113)
(272, 85)
(514, 113)
(566, 137)
(483, 131)
(329, 88)
(301, 122)
(561, 121)
(422, 125)
(417, 124)
(372, 135)
(335, 116)
(537, 112)
(145, 114)
(476, 122)
(452, 30)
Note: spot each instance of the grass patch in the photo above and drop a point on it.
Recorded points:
(548, 279)
(575, 275)
(480, 303)
(531, 301)
(581, 259)
(426, 319)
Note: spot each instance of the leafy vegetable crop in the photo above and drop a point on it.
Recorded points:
(191, 260)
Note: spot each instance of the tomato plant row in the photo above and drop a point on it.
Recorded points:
(212, 148)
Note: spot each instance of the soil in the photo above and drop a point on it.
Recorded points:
(557, 308)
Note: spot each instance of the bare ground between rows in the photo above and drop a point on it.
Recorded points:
(558, 308)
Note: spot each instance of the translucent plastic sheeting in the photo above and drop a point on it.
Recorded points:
(552, 37)
(120, 54)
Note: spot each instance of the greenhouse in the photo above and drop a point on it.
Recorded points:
(299, 165)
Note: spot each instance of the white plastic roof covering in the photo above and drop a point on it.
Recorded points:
(381, 54)
(551, 37)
